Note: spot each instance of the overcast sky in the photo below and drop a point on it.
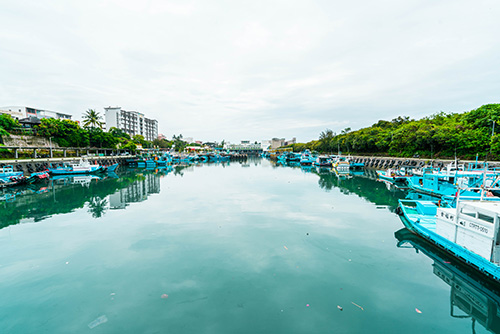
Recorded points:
(254, 70)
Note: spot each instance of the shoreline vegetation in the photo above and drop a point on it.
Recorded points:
(440, 136)
(468, 135)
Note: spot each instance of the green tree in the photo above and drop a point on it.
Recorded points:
(66, 133)
(7, 122)
(325, 140)
(440, 135)
(119, 133)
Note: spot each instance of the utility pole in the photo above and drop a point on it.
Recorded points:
(50, 145)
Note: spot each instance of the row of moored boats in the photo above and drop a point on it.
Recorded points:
(342, 164)
(462, 215)
(11, 177)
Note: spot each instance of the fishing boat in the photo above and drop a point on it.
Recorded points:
(323, 161)
(446, 183)
(7, 174)
(306, 159)
(396, 175)
(469, 230)
(145, 163)
(82, 167)
(112, 168)
(356, 166)
(341, 164)
(37, 177)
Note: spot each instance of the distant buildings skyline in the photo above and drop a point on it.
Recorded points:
(132, 123)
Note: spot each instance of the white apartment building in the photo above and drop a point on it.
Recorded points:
(131, 122)
(33, 112)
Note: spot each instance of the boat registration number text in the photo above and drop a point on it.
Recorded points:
(478, 228)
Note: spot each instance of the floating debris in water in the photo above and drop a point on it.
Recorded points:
(358, 306)
(418, 311)
(102, 319)
(307, 305)
(340, 307)
(164, 296)
(285, 247)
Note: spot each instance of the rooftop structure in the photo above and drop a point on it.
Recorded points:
(279, 142)
(17, 111)
(246, 146)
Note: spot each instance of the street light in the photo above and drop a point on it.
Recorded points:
(50, 145)
(492, 133)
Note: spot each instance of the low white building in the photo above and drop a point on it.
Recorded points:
(245, 145)
(265, 144)
(35, 112)
(14, 114)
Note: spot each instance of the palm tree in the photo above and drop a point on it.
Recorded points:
(97, 206)
(92, 118)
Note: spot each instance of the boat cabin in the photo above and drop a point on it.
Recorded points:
(473, 225)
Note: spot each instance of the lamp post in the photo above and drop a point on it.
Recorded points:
(50, 145)
(492, 133)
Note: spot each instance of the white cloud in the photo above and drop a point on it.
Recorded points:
(251, 69)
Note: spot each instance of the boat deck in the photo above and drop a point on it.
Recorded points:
(426, 222)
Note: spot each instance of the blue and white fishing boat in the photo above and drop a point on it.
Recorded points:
(288, 157)
(216, 157)
(399, 176)
(112, 168)
(353, 165)
(146, 163)
(323, 161)
(441, 184)
(341, 164)
(307, 159)
(469, 231)
(7, 174)
(82, 167)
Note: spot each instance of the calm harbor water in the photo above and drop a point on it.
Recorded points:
(227, 248)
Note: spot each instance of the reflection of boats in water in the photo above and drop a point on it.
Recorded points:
(392, 187)
(476, 297)
(11, 194)
(83, 179)
(342, 174)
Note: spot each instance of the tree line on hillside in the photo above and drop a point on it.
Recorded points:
(442, 135)
(68, 133)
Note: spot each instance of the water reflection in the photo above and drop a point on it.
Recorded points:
(138, 191)
(64, 194)
(471, 295)
(362, 183)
